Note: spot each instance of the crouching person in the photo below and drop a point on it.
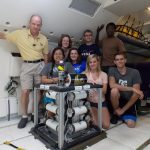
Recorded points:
(96, 76)
(125, 91)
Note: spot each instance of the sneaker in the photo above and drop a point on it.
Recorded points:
(32, 119)
(22, 123)
(114, 119)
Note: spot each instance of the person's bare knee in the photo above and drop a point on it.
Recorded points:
(25, 92)
(114, 91)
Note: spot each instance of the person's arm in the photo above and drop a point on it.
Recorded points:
(2, 35)
(97, 34)
(131, 101)
(44, 74)
(49, 81)
(104, 82)
(45, 51)
(121, 46)
(113, 84)
(137, 94)
(104, 89)
(45, 58)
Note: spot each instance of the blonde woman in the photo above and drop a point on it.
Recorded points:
(96, 76)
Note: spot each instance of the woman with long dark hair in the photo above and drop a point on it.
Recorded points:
(75, 58)
(50, 71)
(65, 43)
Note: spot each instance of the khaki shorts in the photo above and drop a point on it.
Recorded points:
(30, 74)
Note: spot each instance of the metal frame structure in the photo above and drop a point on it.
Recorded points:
(61, 90)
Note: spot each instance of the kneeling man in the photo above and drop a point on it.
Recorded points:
(125, 90)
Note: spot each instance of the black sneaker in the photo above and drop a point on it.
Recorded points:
(32, 119)
(22, 123)
(114, 119)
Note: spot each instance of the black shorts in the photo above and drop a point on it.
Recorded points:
(104, 104)
(130, 113)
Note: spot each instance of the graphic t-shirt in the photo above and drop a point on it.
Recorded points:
(79, 67)
(86, 50)
(131, 77)
(51, 70)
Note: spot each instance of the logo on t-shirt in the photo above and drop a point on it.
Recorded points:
(85, 54)
(123, 82)
(55, 69)
(77, 68)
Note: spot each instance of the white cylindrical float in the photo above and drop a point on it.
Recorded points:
(87, 118)
(76, 95)
(52, 108)
(84, 103)
(76, 111)
(52, 124)
(78, 126)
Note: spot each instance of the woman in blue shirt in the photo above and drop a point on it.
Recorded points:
(75, 58)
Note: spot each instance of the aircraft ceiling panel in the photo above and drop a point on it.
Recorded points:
(57, 16)
(125, 7)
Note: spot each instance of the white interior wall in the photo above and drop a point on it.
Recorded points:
(6, 61)
(10, 67)
(4, 65)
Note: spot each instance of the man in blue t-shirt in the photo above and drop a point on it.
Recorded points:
(125, 90)
(88, 47)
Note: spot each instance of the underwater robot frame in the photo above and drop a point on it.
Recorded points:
(70, 125)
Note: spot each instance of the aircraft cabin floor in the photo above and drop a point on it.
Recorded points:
(119, 137)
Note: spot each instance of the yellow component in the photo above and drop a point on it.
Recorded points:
(60, 68)
(135, 34)
(130, 32)
(20, 148)
(125, 30)
(7, 142)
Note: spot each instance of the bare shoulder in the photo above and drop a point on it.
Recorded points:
(103, 73)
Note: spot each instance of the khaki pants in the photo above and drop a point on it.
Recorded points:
(30, 74)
